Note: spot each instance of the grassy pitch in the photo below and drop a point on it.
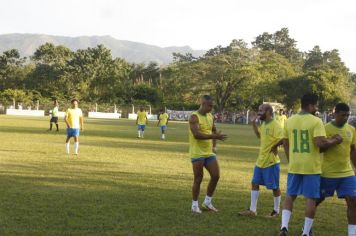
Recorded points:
(121, 185)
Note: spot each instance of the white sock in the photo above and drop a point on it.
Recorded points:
(207, 200)
(308, 223)
(351, 230)
(195, 203)
(277, 202)
(254, 199)
(76, 147)
(163, 136)
(286, 214)
(139, 133)
(67, 147)
(142, 132)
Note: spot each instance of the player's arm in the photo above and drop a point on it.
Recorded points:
(286, 147)
(255, 126)
(353, 155)
(324, 143)
(167, 120)
(274, 148)
(66, 120)
(214, 140)
(137, 120)
(194, 127)
(146, 120)
(159, 121)
(81, 119)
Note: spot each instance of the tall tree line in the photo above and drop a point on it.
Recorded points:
(239, 76)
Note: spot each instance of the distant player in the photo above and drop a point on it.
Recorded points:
(202, 148)
(267, 167)
(337, 173)
(141, 122)
(163, 122)
(75, 123)
(54, 116)
(281, 118)
(304, 135)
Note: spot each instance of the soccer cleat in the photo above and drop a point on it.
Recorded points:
(310, 232)
(196, 210)
(283, 232)
(273, 214)
(209, 207)
(248, 212)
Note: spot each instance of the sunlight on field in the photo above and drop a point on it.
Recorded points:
(127, 186)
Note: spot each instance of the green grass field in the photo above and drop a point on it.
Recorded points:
(121, 185)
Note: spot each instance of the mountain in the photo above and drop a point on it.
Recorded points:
(130, 51)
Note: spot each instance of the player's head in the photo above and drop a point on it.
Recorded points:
(281, 112)
(265, 111)
(309, 103)
(55, 102)
(206, 104)
(74, 103)
(161, 111)
(342, 113)
(141, 108)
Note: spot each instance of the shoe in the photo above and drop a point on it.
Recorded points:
(248, 212)
(273, 214)
(310, 232)
(196, 210)
(283, 232)
(209, 207)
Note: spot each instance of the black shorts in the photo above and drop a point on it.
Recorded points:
(54, 120)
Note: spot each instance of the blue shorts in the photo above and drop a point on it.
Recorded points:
(344, 187)
(141, 127)
(206, 160)
(72, 132)
(163, 127)
(306, 185)
(268, 177)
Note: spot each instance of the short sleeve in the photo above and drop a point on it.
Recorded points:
(80, 113)
(319, 129)
(67, 112)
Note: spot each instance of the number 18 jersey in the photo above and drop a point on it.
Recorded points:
(304, 155)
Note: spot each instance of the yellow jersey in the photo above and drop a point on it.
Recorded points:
(73, 116)
(281, 119)
(270, 133)
(163, 119)
(304, 155)
(202, 148)
(336, 160)
(142, 117)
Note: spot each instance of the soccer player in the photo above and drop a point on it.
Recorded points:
(281, 118)
(304, 135)
(163, 122)
(337, 173)
(202, 149)
(54, 117)
(267, 167)
(75, 122)
(141, 122)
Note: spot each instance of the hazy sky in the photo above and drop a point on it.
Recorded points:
(201, 24)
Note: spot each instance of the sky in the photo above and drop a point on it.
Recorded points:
(201, 24)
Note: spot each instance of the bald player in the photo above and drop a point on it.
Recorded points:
(202, 148)
(267, 169)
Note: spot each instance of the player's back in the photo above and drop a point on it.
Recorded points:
(304, 155)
